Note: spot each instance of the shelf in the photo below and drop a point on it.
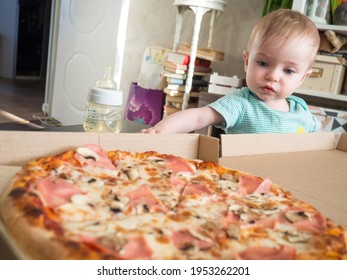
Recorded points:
(340, 29)
(339, 97)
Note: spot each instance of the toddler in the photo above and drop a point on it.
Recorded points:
(279, 56)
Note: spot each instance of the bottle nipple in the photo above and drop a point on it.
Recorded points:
(106, 81)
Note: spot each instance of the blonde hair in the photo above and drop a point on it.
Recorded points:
(285, 24)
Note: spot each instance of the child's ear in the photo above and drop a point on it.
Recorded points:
(245, 59)
(308, 73)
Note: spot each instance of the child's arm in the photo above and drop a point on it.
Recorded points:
(186, 121)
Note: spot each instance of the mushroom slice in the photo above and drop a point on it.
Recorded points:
(117, 204)
(132, 172)
(199, 236)
(296, 237)
(87, 153)
(210, 226)
(265, 211)
(233, 232)
(290, 234)
(295, 216)
(229, 177)
(157, 160)
(114, 242)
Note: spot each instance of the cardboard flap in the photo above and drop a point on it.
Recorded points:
(18, 147)
(342, 143)
(191, 146)
(209, 148)
(184, 145)
(258, 144)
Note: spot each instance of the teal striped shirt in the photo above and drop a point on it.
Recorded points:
(244, 112)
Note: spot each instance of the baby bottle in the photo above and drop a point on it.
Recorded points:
(104, 106)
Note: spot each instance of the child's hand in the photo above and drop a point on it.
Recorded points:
(151, 130)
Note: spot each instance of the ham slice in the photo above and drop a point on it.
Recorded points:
(193, 188)
(55, 192)
(136, 249)
(97, 158)
(143, 196)
(311, 223)
(177, 164)
(250, 184)
(177, 184)
(183, 239)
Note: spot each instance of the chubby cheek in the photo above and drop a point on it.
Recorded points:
(254, 74)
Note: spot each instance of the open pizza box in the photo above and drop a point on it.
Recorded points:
(18, 147)
(313, 167)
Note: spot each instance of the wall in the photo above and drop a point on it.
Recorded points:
(152, 23)
(8, 38)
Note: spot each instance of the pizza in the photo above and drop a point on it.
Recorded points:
(88, 203)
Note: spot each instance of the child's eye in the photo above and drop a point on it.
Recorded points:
(262, 63)
(289, 71)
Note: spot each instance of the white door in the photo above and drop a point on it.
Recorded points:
(83, 43)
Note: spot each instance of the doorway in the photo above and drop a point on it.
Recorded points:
(33, 34)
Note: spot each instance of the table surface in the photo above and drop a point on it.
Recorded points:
(127, 127)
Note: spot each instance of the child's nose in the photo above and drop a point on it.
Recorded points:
(272, 75)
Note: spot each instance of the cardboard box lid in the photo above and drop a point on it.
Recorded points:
(331, 59)
(312, 166)
(256, 144)
(18, 147)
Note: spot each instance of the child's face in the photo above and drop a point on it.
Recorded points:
(274, 68)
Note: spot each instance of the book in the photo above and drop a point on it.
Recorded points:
(201, 74)
(169, 74)
(202, 69)
(175, 81)
(194, 93)
(178, 58)
(176, 66)
(208, 54)
(176, 71)
(175, 87)
(173, 92)
(177, 99)
(200, 62)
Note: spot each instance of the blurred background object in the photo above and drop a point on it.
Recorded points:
(272, 5)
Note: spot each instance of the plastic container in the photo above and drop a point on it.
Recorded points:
(104, 106)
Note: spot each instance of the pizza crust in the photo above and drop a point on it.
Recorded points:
(31, 242)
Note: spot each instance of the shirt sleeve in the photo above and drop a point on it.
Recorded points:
(231, 107)
(318, 124)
